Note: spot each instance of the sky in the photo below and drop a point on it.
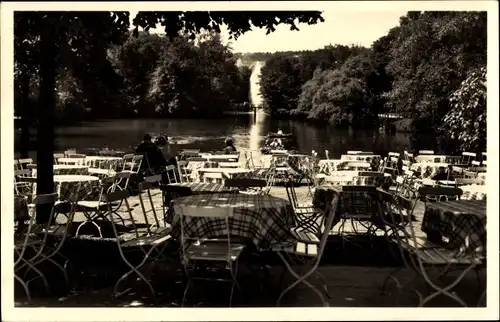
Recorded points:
(344, 28)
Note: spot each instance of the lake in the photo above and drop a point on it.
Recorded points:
(247, 130)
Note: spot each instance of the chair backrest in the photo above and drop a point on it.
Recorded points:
(476, 163)
(469, 154)
(393, 154)
(145, 187)
(426, 152)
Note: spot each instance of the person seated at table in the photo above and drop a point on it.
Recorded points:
(443, 175)
(154, 158)
(229, 148)
(276, 144)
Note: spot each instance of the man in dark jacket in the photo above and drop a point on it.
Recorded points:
(153, 157)
(229, 149)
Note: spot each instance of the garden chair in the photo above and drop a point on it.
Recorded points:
(97, 209)
(220, 250)
(300, 208)
(307, 244)
(360, 208)
(183, 172)
(172, 174)
(130, 243)
(42, 249)
(425, 256)
(467, 157)
(57, 156)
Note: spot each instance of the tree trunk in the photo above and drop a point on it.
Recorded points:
(46, 116)
(24, 143)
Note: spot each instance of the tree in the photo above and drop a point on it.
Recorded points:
(466, 121)
(431, 55)
(70, 36)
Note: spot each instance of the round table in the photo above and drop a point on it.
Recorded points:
(64, 185)
(263, 219)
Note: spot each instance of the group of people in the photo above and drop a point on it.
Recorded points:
(157, 153)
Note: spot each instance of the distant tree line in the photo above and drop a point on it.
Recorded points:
(149, 75)
(431, 69)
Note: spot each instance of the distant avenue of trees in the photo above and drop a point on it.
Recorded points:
(431, 69)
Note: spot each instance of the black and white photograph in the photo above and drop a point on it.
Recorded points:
(249, 154)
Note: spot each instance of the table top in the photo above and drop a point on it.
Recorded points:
(74, 178)
(460, 207)
(219, 156)
(225, 200)
(225, 170)
(71, 160)
(102, 157)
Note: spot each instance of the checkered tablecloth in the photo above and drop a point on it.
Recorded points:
(428, 169)
(352, 203)
(65, 184)
(264, 219)
(462, 222)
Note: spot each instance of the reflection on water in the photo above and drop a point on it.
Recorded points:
(247, 131)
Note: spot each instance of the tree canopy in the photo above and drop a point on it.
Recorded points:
(413, 70)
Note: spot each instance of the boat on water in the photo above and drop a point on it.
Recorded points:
(272, 135)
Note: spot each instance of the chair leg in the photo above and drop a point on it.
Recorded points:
(24, 285)
(391, 276)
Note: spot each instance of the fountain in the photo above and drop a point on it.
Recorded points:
(255, 97)
(256, 101)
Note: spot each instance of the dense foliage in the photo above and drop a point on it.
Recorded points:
(413, 71)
